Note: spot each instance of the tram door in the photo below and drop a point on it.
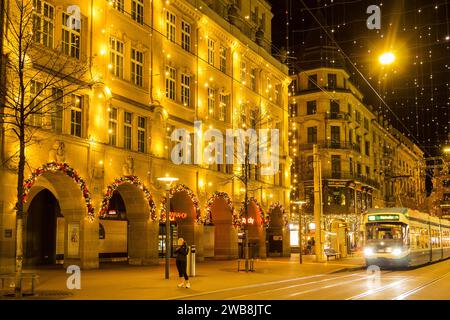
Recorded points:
(162, 239)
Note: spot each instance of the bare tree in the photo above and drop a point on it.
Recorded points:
(39, 78)
(245, 154)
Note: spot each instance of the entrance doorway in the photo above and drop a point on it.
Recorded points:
(44, 237)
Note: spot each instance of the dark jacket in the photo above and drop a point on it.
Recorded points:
(182, 252)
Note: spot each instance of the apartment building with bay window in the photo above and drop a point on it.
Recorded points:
(365, 161)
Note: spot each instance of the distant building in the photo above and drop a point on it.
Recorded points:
(365, 162)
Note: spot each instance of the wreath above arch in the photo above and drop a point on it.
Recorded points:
(278, 205)
(210, 203)
(134, 180)
(180, 188)
(54, 167)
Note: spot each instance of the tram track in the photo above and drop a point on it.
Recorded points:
(421, 287)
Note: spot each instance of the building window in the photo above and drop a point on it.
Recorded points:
(243, 117)
(211, 51)
(170, 83)
(367, 148)
(243, 71)
(36, 106)
(334, 109)
(312, 135)
(170, 26)
(350, 136)
(311, 107)
(223, 106)
(137, 11)
(351, 167)
(223, 59)
(112, 126)
(186, 36)
(332, 80)
(312, 81)
(137, 67)
(118, 4)
(358, 116)
(186, 90)
(277, 93)
(335, 167)
(358, 169)
(43, 23)
(366, 124)
(211, 101)
(335, 136)
(127, 130)
(141, 134)
(358, 143)
(253, 79)
(349, 110)
(57, 110)
(116, 57)
(76, 116)
(71, 35)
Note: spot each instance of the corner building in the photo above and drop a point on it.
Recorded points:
(365, 162)
(93, 193)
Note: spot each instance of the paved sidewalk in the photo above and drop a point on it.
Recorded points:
(121, 281)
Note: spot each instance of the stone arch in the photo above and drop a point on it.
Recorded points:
(141, 234)
(277, 231)
(256, 223)
(79, 230)
(220, 215)
(185, 211)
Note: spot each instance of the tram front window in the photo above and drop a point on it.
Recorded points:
(384, 231)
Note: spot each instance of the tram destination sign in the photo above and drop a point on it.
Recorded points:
(383, 217)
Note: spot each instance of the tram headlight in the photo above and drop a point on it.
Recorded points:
(368, 251)
(397, 251)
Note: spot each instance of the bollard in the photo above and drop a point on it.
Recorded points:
(191, 261)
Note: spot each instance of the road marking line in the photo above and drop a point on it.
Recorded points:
(247, 287)
(289, 287)
(326, 287)
(372, 291)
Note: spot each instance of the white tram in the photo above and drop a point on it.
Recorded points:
(404, 237)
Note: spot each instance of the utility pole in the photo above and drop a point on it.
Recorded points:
(318, 206)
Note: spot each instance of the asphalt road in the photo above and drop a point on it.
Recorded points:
(427, 282)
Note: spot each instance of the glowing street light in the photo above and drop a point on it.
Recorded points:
(387, 58)
(446, 149)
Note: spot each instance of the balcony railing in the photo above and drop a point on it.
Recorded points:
(341, 175)
(332, 145)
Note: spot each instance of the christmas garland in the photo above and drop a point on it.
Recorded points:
(131, 180)
(212, 199)
(278, 205)
(264, 220)
(180, 188)
(54, 167)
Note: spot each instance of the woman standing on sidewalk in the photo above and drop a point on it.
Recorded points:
(182, 252)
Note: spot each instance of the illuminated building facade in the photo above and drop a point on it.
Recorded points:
(156, 66)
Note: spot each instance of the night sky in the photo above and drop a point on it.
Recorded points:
(416, 87)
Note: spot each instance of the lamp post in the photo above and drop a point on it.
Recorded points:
(300, 243)
(168, 182)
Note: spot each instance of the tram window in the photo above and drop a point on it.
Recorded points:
(384, 231)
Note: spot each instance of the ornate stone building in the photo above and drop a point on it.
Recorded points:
(156, 66)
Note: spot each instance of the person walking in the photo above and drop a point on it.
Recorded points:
(181, 261)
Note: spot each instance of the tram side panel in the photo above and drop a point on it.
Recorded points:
(420, 243)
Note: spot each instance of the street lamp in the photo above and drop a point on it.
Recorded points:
(447, 149)
(386, 58)
(168, 182)
(300, 245)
